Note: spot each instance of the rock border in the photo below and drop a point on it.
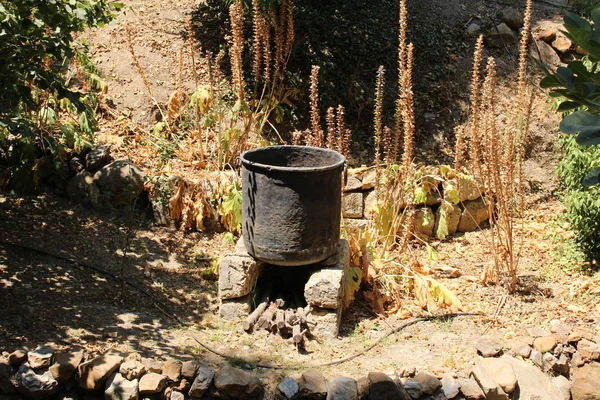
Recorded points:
(535, 366)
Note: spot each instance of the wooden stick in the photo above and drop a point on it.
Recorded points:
(255, 315)
(265, 320)
(280, 319)
(290, 317)
(280, 303)
(302, 314)
(298, 334)
(252, 318)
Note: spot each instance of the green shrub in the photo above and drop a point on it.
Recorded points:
(37, 47)
(583, 203)
(576, 88)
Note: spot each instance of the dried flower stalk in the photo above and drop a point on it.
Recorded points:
(279, 25)
(523, 130)
(378, 118)
(475, 148)
(236, 15)
(289, 34)
(403, 21)
(297, 136)
(459, 148)
(388, 146)
(408, 114)
(258, 27)
(317, 132)
(331, 134)
(343, 134)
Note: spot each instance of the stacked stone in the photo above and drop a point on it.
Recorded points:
(377, 386)
(42, 373)
(358, 201)
(551, 44)
(239, 273)
(325, 290)
(460, 198)
(553, 356)
(530, 367)
(102, 183)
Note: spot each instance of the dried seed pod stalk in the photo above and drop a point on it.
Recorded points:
(388, 145)
(408, 114)
(267, 46)
(331, 139)
(402, 54)
(317, 133)
(236, 15)
(459, 148)
(378, 117)
(343, 134)
(258, 27)
(475, 147)
(523, 107)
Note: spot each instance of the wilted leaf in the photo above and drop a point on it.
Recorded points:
(353, 281)
(442, 223)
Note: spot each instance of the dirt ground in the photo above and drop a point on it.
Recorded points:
(59, 298)
(54, 255)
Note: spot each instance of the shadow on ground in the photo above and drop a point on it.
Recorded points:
(60, 269)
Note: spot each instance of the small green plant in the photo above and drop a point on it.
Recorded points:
(444, 324)
(567, 255)
(211, 273)
(230, 210)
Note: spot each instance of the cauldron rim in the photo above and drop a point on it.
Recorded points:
(248, 163)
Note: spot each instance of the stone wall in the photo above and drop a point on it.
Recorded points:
(456, 199)
(554, 363)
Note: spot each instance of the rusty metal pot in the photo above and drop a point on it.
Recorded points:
(291, 203)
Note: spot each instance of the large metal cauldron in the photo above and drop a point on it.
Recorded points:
(291, 203)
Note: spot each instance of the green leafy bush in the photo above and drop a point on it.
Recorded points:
(583, 203)
(37, 48)
(577, 88)
(37, 45)
(579, 83)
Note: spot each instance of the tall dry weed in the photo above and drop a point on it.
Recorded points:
(378, 116)
(331, 132)
(475, 145)
(344, 134)
(402, 57)
(497, 157)
(316, 138)
(236, 48)
(408, 112)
